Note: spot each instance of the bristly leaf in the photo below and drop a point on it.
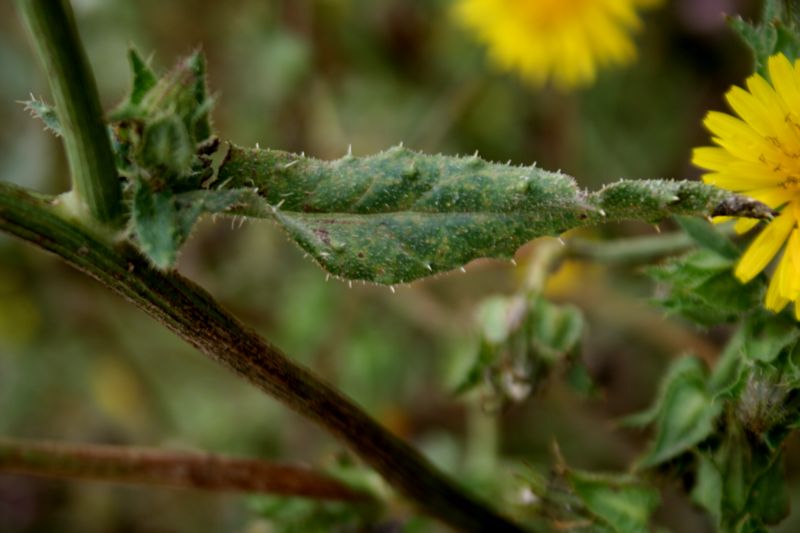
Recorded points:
(162, 220)
(143, 78)
(776, 33)
(399, 215)
(44, 112)
(701, 287)
(163, 142)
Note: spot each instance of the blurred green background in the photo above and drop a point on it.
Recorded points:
(79, 364)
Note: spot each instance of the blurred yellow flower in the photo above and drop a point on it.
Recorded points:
(758, 155)
(563, 40)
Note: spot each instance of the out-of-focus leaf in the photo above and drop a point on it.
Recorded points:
(708, 236)
(767, 336)
(741, 484)
(760, 38)
(589, 501)
(522, 339)
(776, 33)
(619, 502)
(700, 286)
(683, 415)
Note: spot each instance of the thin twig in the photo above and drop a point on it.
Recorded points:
(192, 314)
(142, 466)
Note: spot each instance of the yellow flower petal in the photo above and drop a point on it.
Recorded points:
(765, 246)
(743, 225)
(566, 42)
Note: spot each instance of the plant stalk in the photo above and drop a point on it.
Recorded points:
(192, 314)
(92, 168)
(142, 466)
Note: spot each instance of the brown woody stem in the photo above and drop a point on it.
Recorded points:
(192, 314)
(142, 466)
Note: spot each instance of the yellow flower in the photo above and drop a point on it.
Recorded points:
(563, 40)
(758, 155)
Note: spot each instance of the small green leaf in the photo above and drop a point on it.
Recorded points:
(708, 236)
(767, 336)
(701, 287)
(708, 488)
(163, 220)
(619, 502)
(143, 78)
(46, 113)
(761, 39)
(741, 483)
(683, 415)
(522, 340)
(166, 144)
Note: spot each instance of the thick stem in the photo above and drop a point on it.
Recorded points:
(91, 160)
(142, 466)
(192, 314)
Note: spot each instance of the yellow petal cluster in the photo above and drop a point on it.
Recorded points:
(758, 154)
(565, 41)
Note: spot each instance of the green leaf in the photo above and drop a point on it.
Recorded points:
(767, 336)
(761, 39)
(302, 515)
(700, 287)
(741, 484)
(777, 32)
(143, 78)
(162, 220)
(44, 112)
(683, 415)
(167, 144)
(708, 489)
(400, 216)
(708, 236)
(621, 503)
(522, 340)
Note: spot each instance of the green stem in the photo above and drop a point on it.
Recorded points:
(91, 160)
(142, 466)
(192, 314)
(630, 250)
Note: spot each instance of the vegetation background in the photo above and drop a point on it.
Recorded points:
(79, 364)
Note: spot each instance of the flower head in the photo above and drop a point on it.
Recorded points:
(563, 40)
(758, 154)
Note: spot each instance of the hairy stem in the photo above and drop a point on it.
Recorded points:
(142, 466)
(91, 160)
(192, 314)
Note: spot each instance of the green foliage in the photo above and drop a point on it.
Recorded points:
(399, 215)
(163, 143)
(523, 338)
(700, 287)
(683, 414)
(299, 515)
(776, 33)
(590, 502)
(741, 484)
